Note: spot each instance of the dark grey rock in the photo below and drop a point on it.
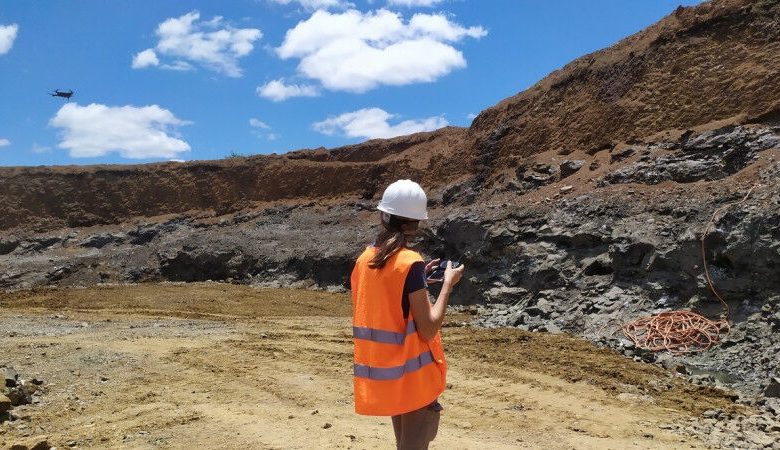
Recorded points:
(8, 245)
(542, 308)
(5, 403)
(773, 405)
(598, 265)
(11, 377)
(544, 168)
(39, 244)
(101, 240)
(144, 234)
(505, 294)
(773, 388)
(570, 167)
(621, 155)
(712, 413)
(19, 396)
(709, 156)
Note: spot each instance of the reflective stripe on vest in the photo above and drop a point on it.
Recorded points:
(382, 336)
(393, 373)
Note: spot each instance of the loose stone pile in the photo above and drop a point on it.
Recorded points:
(16, 392)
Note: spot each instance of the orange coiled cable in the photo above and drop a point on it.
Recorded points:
(683, 331)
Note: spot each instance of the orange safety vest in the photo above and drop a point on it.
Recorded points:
(395, 370)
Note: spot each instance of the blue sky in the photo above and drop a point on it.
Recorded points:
(194, 80)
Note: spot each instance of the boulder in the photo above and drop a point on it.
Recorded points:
(542, 309)
(34, 443)
(7, 246)
(5, 403)
(772, 390)
(773, 405)
(19, 396)
(10, 377)
(505, 294)
(570, 167)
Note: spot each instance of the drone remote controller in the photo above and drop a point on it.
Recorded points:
(437, 274)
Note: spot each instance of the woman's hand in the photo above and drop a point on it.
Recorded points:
(428, 318)
(429, 268)
(452, 276)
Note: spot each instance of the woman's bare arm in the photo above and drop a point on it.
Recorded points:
(428, 318)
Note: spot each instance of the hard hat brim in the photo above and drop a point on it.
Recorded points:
(391, 211)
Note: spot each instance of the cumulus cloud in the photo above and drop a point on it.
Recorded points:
(313, 5)
(7, 37)
(278, 91)
(133, 132)
(145, 58)
(4, 143)
(373, 123)
(355, 51)
(211, 44)
(414, 3)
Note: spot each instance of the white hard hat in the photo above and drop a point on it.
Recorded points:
(405, 198)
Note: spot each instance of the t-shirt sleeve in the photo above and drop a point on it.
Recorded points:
(415, 280)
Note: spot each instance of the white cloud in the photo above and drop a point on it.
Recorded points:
(373, 123)
(208, 43)
(7, 37)
(414, 3)
(313, 5)
(133, 132)
(356, 52)
(4, 143)
(257, 123)
(145, 58)
(39, 149)
(181, 66)
(278, 91)
(262, 129)
(471, 116)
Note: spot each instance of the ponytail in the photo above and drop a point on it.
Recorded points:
(390, 240)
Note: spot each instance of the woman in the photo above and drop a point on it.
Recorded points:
(399, 368)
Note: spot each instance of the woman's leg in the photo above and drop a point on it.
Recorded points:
(397, 429)
(418, 428)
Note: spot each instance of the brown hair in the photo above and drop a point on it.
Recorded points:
(390, 239)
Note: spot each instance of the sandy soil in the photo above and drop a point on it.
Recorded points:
(224, 366)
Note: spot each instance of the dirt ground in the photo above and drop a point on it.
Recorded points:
(224, 366)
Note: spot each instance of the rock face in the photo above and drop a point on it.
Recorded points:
(576, 205)
(708, 156)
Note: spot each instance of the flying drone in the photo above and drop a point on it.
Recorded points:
(64, 94)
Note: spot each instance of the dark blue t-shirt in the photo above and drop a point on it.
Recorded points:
(415, 280)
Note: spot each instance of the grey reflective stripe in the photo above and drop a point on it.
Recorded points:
(393, 373)
(382, 336)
